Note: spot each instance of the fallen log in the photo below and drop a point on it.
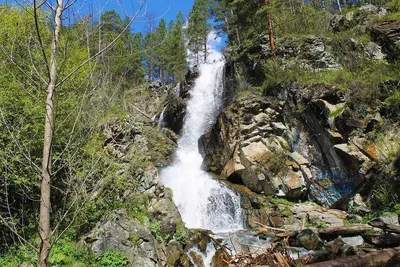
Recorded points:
(345, 230)
(383, 240)
(384, 226)
(373, 259)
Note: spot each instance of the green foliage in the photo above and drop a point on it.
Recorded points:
(394, 5)
(335, 113)
(155, 229)
(111, 259)
(285, 211)
(134, 239)
(180, 234)
(393, 102)
(198, 29)
(275, 200)
(164, 51)
(300, 108)
(140, 213)
(64, 253)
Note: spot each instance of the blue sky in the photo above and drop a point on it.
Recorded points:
(166, 9)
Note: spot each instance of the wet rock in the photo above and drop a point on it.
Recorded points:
(309, 240)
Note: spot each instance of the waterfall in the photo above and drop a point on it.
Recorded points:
(160, 123)
(202, 201)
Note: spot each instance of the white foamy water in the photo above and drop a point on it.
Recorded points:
(202, 201)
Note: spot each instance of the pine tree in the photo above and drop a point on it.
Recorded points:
(160, 49)
(198, 29)
(176, 49)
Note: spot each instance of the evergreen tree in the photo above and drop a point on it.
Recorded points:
(160, 49)
(176, 54)
(198, 29)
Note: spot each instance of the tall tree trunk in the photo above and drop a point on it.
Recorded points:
(45, 205)
(270, 31)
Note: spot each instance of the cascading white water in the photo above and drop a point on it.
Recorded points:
(160, 123)
(202, 201)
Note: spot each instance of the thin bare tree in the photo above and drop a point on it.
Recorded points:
(45, 232)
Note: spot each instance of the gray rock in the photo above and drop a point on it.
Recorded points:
(165, 211)
(353, 241)
(374, 51)
(149, 180)
(389, 219)
(279, 127)
(309, 240)
(129, 236)
(252, 153)
(358, 205)
(253, 178)
(299, 159)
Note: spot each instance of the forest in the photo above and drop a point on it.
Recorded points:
(91, 111)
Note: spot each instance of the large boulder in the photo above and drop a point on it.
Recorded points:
(309, 240)
(129, 236)
(387, 34)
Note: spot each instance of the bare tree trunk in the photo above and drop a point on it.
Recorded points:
(45, 205)
(270, 31)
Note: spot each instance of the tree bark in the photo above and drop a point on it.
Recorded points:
(45, 205)
(345, 230)
(270, 31)
(386, 227)
(373, 259)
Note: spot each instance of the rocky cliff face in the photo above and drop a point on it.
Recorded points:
(308, 144)
(133, 211)
(175, 107)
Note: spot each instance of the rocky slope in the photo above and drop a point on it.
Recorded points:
(332, 147)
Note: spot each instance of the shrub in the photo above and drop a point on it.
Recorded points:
(111, 259)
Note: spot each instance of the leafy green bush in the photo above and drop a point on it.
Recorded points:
(111, 259)
(394, 5)
(64, 253)
(180, 234)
